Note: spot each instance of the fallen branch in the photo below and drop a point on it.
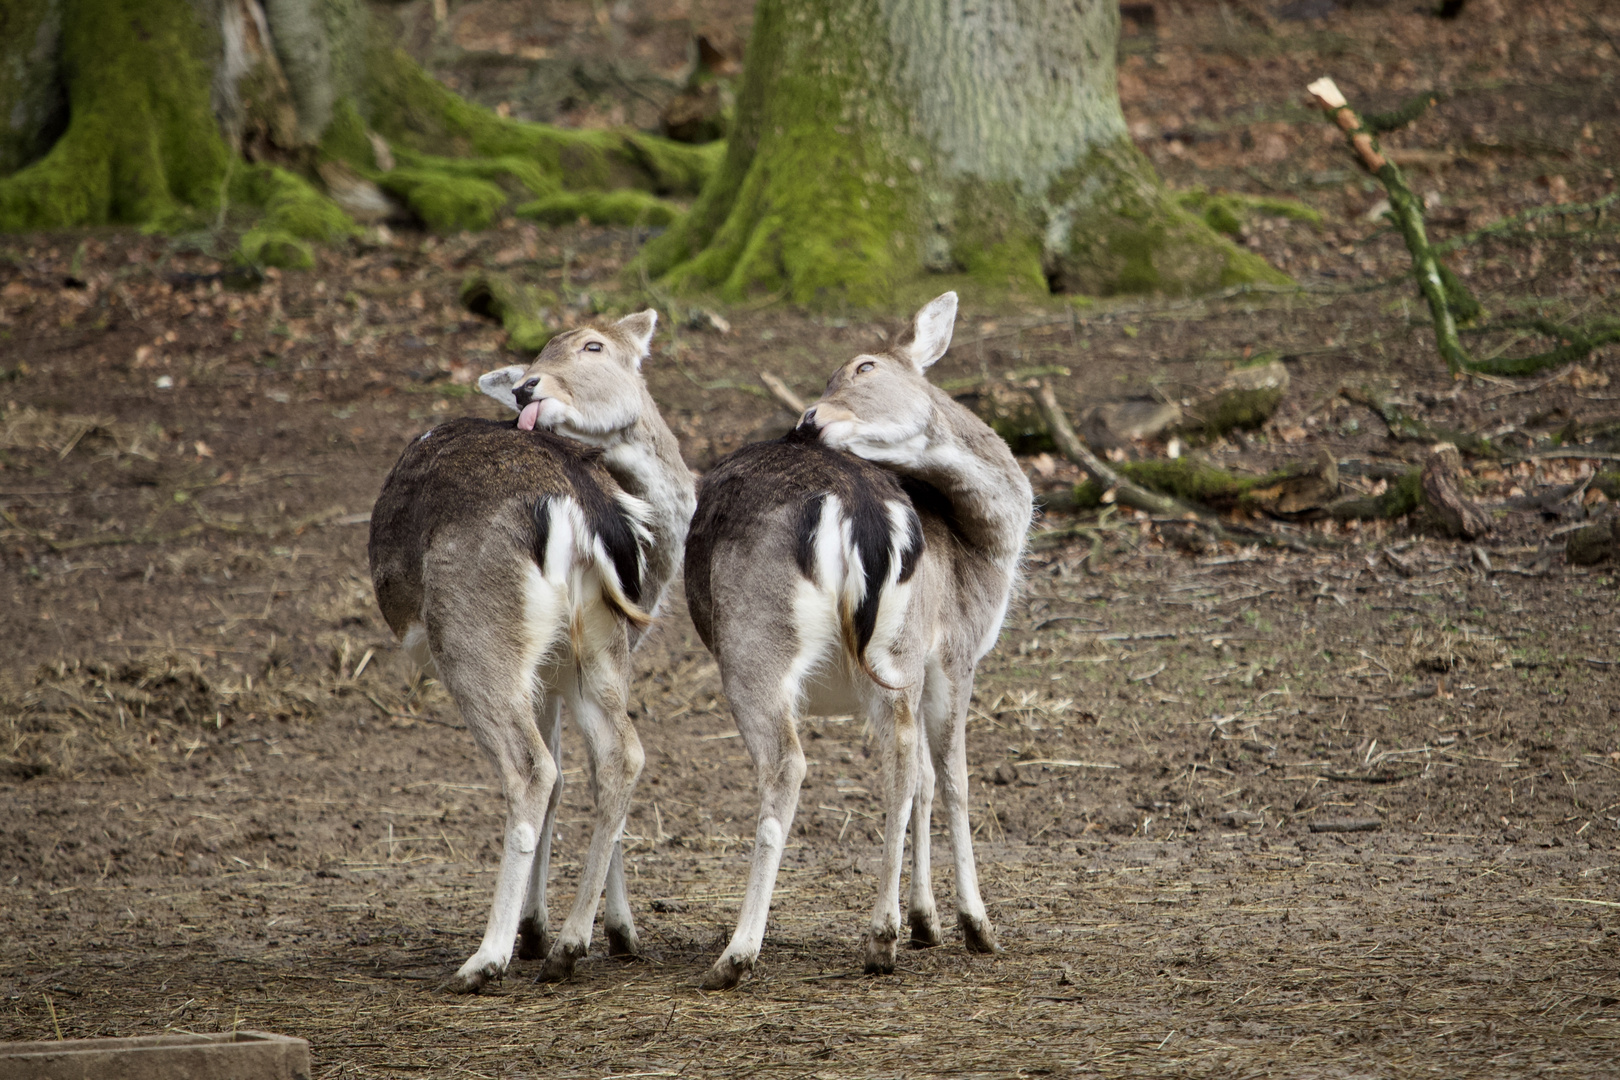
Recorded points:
(780, 391)
(1125, 492)
(1578, 343)
(1407, 210)
(1406, 428)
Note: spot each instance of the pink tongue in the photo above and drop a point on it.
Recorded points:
(530, 413)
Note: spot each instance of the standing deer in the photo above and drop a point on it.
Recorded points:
(862, 563)
(521, 563)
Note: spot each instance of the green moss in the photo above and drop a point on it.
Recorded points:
(1403, 495)
(416, 112)
(1195, 481)
(1608, 482)
(1226, 212)
(516, 306)
(517, 175)
(996, 238)
(266, 246)
(1465, 308)
(1126, 235)
(625, 207)
(1186, 479)
(141, 146)
(346, 138)
(292, 205)
(1242, 408)
(446, 203)
(812, 201)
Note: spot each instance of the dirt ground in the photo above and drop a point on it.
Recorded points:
(228, 805)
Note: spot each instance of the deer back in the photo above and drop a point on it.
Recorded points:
(586, 384)
(775, 513)
(498, 486)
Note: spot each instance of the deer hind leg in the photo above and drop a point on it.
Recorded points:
(895, 726)
(765, 720)
(499, 709)
(597, 698)
(922, 914)
(617, 921)
(534, 934)
(947, 740)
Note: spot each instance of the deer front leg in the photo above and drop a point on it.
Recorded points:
(534, 934)
(597, 702)
(897, 734)
(779, 761)
(948, 740)
(921, 912)
(617, 921)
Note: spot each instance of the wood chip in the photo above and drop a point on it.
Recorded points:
(1347, 825)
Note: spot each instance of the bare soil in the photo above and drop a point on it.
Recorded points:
(229, 805)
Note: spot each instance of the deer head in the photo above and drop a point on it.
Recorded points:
(585, 383)
(878, 405)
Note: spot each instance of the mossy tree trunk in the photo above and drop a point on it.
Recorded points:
(158, 112)
(880, 141)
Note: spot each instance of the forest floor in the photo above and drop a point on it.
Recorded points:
(228, 807)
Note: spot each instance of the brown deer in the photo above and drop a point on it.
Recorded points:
(862, 563)
(521, 563)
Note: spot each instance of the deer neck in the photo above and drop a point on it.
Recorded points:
(972, 467)
(646, 462)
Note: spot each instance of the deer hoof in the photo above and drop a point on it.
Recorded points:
(725, 974)
(471, 982)
(622, 941)
(533, 941)
(978, 936)
(925, 930)
(560, 963)
(880, 954)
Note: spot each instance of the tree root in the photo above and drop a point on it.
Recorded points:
(1125, 491)
(1579, 342)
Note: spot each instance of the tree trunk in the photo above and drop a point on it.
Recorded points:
(165, 113)
(880, 140)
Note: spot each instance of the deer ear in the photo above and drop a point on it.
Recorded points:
(498, 384)
(639, 328)
(930, 333)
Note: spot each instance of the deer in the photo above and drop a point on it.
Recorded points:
(520, 563)
(863, 563)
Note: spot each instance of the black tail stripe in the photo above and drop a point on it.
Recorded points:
(609, 522)
(618, 536)
(914, 544)
(869, 526)
(542, 531)
(804, 543)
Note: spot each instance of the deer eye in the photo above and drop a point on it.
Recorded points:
(864, 368)
(593, 346)
(530, 385)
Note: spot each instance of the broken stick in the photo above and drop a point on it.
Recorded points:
(1407, 210)
(1441, 489)
(1070, 446)
(779, 390)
